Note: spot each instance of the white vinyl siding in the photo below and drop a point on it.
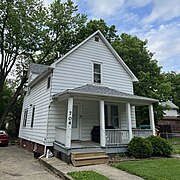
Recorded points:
(123, 117)
(39, 98)
(57, 117)
(76, 69)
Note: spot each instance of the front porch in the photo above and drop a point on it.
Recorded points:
(116, 141)
(113, 114)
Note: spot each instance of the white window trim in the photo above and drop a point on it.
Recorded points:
(109, 104)
(101, 64)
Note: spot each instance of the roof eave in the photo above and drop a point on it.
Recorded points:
(41, 76)
(135, 99)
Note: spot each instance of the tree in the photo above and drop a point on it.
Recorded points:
(94, 25)
(30, 32)
(173, 79)
(140, 60)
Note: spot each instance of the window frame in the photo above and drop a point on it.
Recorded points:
(48, 82)
(25, 117)
(32, 117)
(93, 72)
(108, 115)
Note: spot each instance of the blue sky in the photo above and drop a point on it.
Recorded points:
(158, 21)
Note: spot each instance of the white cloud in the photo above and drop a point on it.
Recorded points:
(165, 42)
(163, 10)
(103, 8)
(138, 3)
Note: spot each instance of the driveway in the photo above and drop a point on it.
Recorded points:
(18, 164)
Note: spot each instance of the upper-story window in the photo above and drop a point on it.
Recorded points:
(97, 73)
(49, 82)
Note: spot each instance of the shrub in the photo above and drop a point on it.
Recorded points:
(140, 148)
(161, 147)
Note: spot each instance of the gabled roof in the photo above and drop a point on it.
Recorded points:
(170, 104)
(134, 78)
(46, 71)
(102, 91)
(37, 68)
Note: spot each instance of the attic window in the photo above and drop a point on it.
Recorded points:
(96, 38)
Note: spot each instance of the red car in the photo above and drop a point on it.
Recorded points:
(4, 138)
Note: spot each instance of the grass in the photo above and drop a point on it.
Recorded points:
(175, 144)
(157, 169)
(87, 175)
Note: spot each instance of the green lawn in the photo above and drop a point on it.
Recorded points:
(176, 144)
(87, 175)
(157, 169)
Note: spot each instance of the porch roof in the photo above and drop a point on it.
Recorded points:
(104, 92)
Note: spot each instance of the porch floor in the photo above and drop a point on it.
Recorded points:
(84, 144)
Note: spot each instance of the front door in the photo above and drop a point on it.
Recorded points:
(75, 123)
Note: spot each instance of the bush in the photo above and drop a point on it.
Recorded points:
(140, 148)
(161, 147)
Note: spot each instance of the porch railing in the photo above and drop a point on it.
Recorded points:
(61, 135)
(142, 132)
(116, 136)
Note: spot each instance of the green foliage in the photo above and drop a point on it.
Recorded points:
(173, 79)
(87, 175)
(161, 147)
(175, 142)
(152, 82)
(140, 148)
(157, 169)
(94, 25)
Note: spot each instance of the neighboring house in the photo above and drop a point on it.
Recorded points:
(89, 88)
(171, 119)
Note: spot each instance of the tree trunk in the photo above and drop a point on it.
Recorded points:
(13, 100)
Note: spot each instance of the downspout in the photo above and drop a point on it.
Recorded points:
(45, 147)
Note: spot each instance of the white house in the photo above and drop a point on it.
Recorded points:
(171, 119)
(171, 110)
(89, 87)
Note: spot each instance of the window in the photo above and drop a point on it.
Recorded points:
(75, 116)
(25, 117)
(28, 91)
(32, 119)
(49, 82)
(96, 73)
(111, 115)
(96, 38)
(114, 116)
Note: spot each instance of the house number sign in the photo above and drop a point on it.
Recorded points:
(70, 118)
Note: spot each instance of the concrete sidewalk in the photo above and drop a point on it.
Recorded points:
(61, 168)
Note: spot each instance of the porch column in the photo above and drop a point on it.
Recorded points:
(151, 118)
(128, 112)
(102, 124)
(69, 122)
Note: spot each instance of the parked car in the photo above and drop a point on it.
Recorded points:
(4, 138)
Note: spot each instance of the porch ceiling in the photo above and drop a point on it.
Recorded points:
(106, 93)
